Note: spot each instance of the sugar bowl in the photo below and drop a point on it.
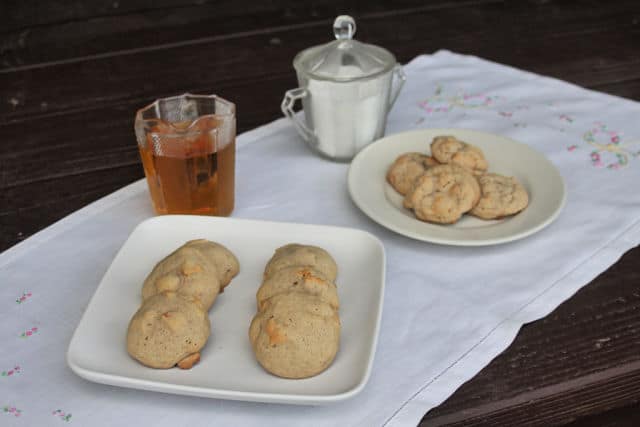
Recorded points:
(347, 89)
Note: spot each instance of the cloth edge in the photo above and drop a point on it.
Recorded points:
(412, 412)
(77, 217)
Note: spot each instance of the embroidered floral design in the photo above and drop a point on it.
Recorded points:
(60, 414)
(10, 372)
(11, 410)
(441, 103)
(565, 118)
(607, 152)
(28, 333)
(506, 114)
(24, 297)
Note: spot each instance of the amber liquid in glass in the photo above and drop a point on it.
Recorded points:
(190, 175)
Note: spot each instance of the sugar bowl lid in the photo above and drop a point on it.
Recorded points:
(344, 59)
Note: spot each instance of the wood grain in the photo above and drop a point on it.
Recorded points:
(583, 358)
(97, 131)
(52, 33)
(73, 73)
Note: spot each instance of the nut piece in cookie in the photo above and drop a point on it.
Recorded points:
(168, 329)
(295, 336)
(443, 193)
(302, 255)
(449, 149)
(189, 361)
(225, 261)
(406, 168)
(298, 279)
(501, 196)
(187, 272)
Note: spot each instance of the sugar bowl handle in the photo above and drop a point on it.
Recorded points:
(290, 98)
(401, 77)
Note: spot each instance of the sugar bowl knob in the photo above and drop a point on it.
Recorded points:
(344, 27)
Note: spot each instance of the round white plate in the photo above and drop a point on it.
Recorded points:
(377, 199)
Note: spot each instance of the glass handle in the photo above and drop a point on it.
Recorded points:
(401, 77)
(289, 101)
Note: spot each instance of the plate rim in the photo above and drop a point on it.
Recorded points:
(356, 198)
(218, 393)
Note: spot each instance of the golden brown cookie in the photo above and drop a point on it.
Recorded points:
(168, 330)
(501, 196)
(298, 279)
(296, 335)
(406, 168)
(443, 193)
(225, 261)
(302, 255)
(187, 272)
(450, 150)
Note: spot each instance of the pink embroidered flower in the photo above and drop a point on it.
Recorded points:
(11, 410)
(10, 372)
(29, 332)
(23, 297)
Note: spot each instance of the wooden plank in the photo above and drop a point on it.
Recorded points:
(27, 209)
(73, 108)
(542, 407)
(583, 358)
(101, 138)
(66, 127)
(627, 416)
(50, 32)
(205, 63)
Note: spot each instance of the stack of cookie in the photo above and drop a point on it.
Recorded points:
(296, 332)
(453, 181)
(172, 325)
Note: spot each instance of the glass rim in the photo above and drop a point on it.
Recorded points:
(155, 106)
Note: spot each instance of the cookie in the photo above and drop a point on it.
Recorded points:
(406, 168)
(187, 272)
(450, 150)
(302, 255)
(443, 193)
(501, 196)
(168, 330)
(296, 335)
(298, 279)
(225, 261)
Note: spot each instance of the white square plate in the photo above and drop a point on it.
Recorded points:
(228, 369)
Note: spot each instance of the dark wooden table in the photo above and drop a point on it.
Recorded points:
(73, 73)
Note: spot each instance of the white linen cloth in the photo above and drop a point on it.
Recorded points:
(448, 310)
